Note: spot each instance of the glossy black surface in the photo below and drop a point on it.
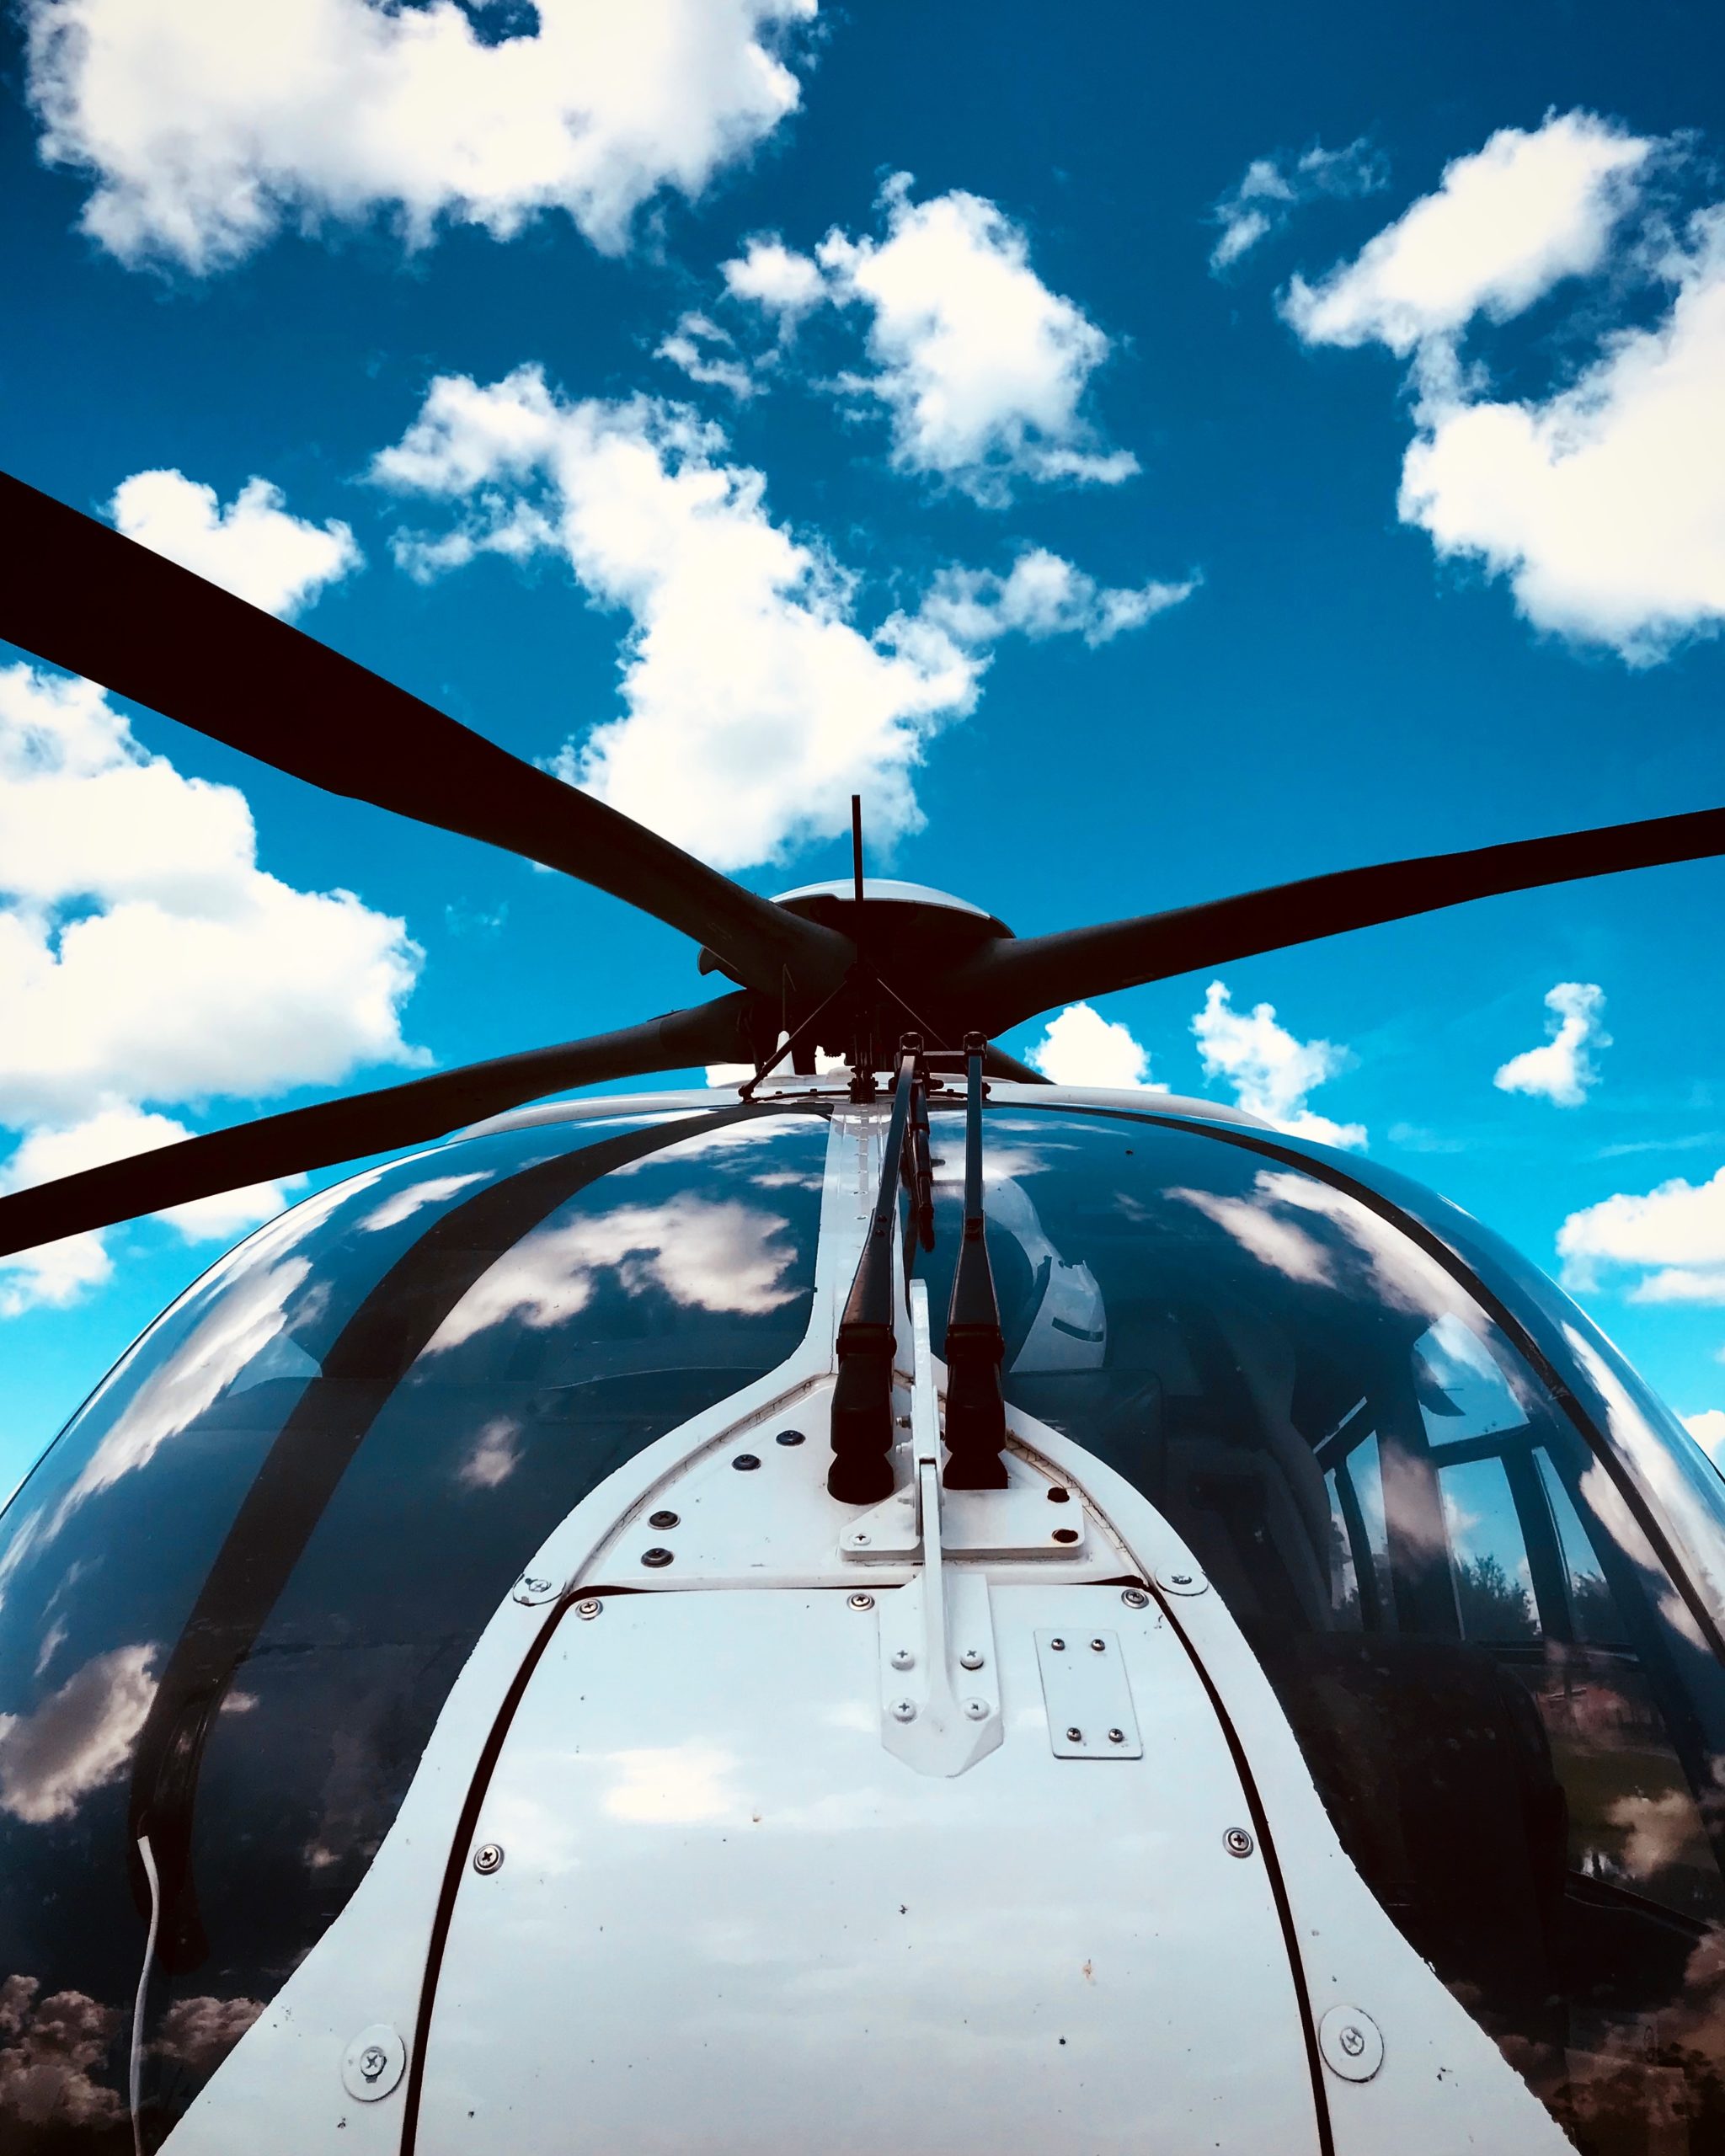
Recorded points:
(235, 1592)
(1502, 1691)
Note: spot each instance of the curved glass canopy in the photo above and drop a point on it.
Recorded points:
(1479, 1565)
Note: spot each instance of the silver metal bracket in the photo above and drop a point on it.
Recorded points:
(1088, 1698)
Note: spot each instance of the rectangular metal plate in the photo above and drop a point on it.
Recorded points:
(1089, 1700)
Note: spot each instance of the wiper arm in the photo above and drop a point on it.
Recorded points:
(976, 1410)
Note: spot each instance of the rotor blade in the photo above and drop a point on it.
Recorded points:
(1012, 980)
(80, 595)
(997, 1063)
(333, 1131)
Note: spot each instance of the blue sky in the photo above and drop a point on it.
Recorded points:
(1117, 575)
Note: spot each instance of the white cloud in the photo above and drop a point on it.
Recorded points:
(777, 279)
(144, 956)
(757, 704)
(1674, 1236)
(253, 547)
(698, 346)
(54, 2054)
(1270, 1071)
(1605, 504)
(1082, 1047)
(1504, 225)
(982, 370)
(1042, 596)
(79, 1738)
(1261, 200)
(1708, 1430)
(1562, 1069)
(207, 128)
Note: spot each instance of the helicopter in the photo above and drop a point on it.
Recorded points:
(887, 1605)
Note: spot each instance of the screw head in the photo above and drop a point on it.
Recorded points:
(904, 1711)
(1075, 1736)
(1134, 1598)
(535, 1585)
(657, 1558)
(970, 1659)
(788, 1438)
(1238, 1842)
(1059, 1495)
(1179, 1579)
(372, 2061)
(859, 1541)
(661, 1519)
(1057, 1645)
(860, 1601)
(746, 1461)
(487, 1857)
(1117, 1737)
(903, 1658)
(1352, 2043)
(977, 1710)
(1351, 2038)
(590, 1608)
(1098, 1646)
(1066, 1534)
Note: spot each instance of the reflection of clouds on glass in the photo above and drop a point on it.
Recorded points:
(494, 1457)
(79, 1738)
(730, 1138)
(1657, 1831)
(199, 2033)
(402, 1204)
(705, 1254)
(1463, 1384)
(1279, 1244)
(48, 2053)
(52, 1641)
(673, 1786)
(1000, 1163)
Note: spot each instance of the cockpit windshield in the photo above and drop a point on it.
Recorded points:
(1502, 1696)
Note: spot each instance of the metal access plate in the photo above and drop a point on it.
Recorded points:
(1088, 1698)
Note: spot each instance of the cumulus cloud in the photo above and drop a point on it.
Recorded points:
(1562, 1068)
(79, 1738)
(144, 956)
(1708, 1430)
(207, 128)
(51, 2050)
(1504, 227)
(255, 547)
(1603, 505)
(982, 370)
(756, 703)
(1673, 1237)
(1270, 1071)
(1082, 1047)
(1270, 189)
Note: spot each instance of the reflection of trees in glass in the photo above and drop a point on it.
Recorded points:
(1493, 1606)
(1596, 1608)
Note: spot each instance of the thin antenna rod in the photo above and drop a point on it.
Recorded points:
(857, 843)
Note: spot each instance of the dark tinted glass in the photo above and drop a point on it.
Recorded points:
(1507, 1707)
(235, 1592)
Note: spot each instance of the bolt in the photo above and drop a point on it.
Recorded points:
(1117, 1737)
(661, 1519)
(904, 1711)
(746, 1461)
(656, 1558)
(970, 1659)
(977, 1710)
(1134, 1598)
(1058, 1646)
(374, 2058)
(903, 1659)
(861, 1601)
(1075, 1737)
(788, 1438)
(590, 1607)
(1351, 2040)
(1238, 1842)
(488, 1856)
(1098, 1646)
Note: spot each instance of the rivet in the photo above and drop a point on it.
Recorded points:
(1117, 1737)
(861, 1601)
(1075, 1737)
(1066, 1534)
(487, 1857)
(661, 1519)
(970, 1659)
(788, 1438)
(903, 1658)
(1134, 1598)
(590, 1608)
(1098, 1646)
(1059, 1496)
(746, 1461)
(904, 1711)
(656, 1558)
(1238, 1842)
(1058, 1646)
(977, 1710)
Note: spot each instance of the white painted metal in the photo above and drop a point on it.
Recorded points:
(1088, 1696)
(731, 1922)
(882, 1952)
